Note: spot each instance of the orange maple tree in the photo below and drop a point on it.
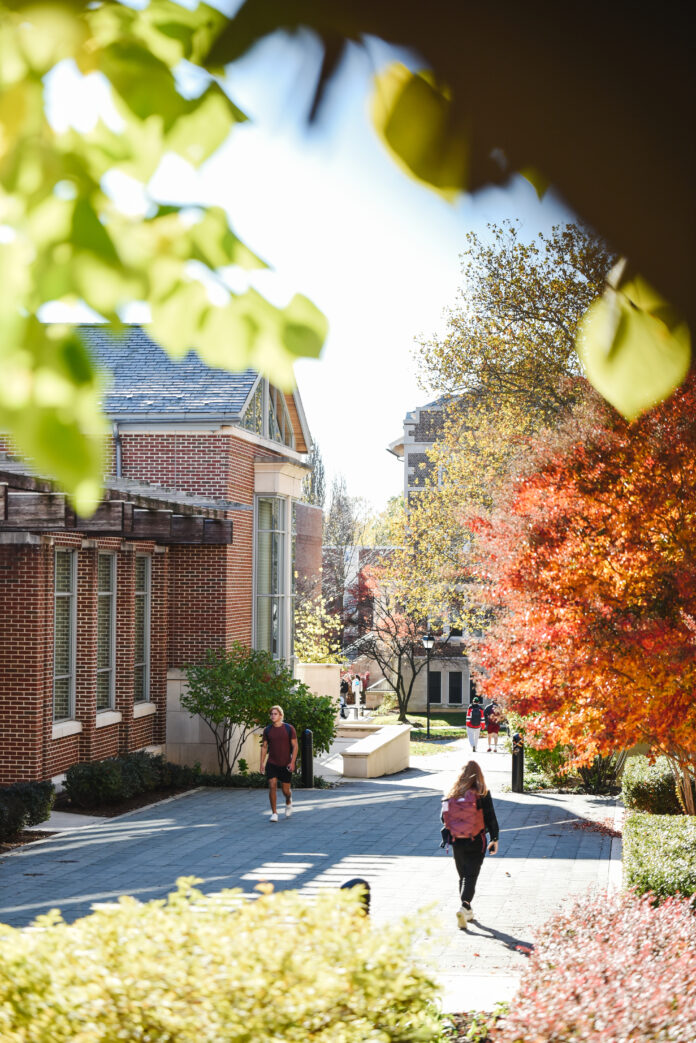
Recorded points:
(588, 564)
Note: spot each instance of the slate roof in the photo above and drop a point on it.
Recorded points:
(145, 381)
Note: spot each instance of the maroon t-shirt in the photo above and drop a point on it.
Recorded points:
(279, 744)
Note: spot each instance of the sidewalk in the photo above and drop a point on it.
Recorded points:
(385, 830)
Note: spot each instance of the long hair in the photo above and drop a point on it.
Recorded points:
(470, 777)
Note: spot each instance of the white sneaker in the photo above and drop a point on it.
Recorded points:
(288, 810)
(274, 817)
(464, 915)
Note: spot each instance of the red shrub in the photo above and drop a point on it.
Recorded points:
(612, 970)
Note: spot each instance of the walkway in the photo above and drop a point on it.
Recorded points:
(384, 830)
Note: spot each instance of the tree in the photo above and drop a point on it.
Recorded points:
(317, 632)
(508, 368)
(65, 238)
(314, 485)
(393, 633)
(233, 691)
(346, 532)
(589, 563)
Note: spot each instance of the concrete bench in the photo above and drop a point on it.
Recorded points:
(378, 749)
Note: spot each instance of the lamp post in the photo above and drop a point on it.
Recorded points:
(428, 642)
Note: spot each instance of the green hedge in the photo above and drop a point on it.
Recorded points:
(119, 778)
(24, 804)
(111, 781)
(650, 787)
(218, 969)
(659, 854)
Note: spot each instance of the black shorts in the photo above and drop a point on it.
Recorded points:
(275, 771)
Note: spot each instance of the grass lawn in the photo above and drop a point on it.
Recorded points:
(424, 749)
(443, 725)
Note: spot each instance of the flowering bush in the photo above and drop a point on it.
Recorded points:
(216, 969)
(614, 969)
(659, 854)
(650, 787)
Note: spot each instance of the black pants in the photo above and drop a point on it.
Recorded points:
(468, 858)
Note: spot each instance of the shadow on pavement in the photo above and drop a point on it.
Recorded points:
(516, 944)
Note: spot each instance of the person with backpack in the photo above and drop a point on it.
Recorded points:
(279, 745)
(342, 697)
(474, 722)
(493, 717)
(468, 815)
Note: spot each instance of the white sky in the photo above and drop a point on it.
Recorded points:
(338, 221)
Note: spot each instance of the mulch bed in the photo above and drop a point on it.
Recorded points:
(27, 836)
(141, 800)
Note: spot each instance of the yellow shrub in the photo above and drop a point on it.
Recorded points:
(213, 969)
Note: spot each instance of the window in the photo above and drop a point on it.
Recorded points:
(106, 634)
(141, 671)
(455, 688)
(64, 627)
(271, 588)
(253, 417)
(267, 415)
(435, 686)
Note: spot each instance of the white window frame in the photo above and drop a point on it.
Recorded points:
(144, 696)
(284, 596)
(72, 637)
(111, 669)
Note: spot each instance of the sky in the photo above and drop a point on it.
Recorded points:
(336, 219)
(376, 251)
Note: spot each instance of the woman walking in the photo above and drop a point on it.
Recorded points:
(468, 814)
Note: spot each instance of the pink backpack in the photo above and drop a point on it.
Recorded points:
(463, 818)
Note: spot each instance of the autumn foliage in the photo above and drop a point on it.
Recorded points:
(589, 565)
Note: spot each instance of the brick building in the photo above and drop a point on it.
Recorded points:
(193, 546)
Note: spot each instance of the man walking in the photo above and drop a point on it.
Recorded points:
(474, 721)
(280, 747)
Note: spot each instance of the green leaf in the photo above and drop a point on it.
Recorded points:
(89, 233)
(49, 400)
(305, 328)
(635, 350)
(214, 243)
(413, 117)
(203, 125)
(536, 179)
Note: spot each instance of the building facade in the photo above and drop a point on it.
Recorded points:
(194, 546)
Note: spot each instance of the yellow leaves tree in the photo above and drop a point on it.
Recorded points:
(317, 632)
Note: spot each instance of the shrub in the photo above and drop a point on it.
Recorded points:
(37, 798)
(205, 969)
(614, 969)
(602, 775)
(99, 782)
(13, 815)
(659, 854)
(650, 787)
(141, 771)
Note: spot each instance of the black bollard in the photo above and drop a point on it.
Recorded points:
(517, 763)
(364, 891)
(307, 759)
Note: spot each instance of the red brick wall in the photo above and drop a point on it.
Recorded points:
(26, 658)
(27, 750)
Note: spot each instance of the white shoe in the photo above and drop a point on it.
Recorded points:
(464, 915)
(288, 809)
(274, 817)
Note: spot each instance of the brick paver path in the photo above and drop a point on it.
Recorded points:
(385, 830)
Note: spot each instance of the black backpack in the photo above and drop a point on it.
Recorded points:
(269, 726)
(475, 715)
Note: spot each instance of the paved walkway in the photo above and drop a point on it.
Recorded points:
(384, 830)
